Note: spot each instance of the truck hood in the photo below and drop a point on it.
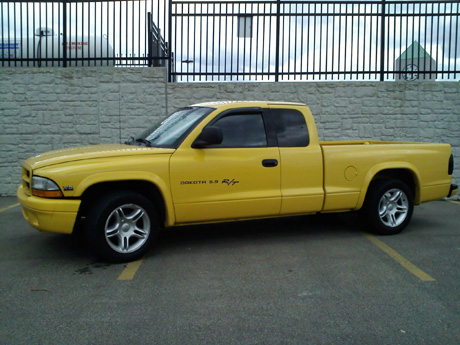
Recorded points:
(91, 152)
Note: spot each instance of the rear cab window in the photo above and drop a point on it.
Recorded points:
(291, 128)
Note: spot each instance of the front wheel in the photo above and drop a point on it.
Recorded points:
(388, 207)
(121, 226)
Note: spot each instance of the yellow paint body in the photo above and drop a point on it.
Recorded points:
(201, 185)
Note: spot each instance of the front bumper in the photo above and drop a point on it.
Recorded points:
(49, 215)
(453, 190)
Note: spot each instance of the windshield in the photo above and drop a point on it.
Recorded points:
(172, 131)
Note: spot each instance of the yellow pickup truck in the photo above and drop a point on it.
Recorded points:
(225, 161)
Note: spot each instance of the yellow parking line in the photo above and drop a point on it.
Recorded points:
(455, 201)
(8, 207)
(130, 270)
(400, 259)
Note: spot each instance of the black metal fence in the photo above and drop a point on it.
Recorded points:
(273, 40)
(315, 40)
(70, 33)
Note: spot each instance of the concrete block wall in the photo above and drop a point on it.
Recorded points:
(50, 108)
(44, 109)
(428, 111)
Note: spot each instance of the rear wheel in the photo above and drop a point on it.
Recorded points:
(388, 207)
(121, 226)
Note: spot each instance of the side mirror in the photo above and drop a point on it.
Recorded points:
(208, 136)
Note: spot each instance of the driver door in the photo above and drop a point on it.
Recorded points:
(237, 179)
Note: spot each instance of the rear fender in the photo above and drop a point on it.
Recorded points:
(374, 171)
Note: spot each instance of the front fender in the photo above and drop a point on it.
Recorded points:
(163, 186)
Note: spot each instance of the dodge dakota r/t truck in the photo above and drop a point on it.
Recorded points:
(225, 161)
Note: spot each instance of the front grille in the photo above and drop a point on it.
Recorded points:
(26, 180)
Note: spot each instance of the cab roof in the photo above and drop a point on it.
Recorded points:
(240, 104)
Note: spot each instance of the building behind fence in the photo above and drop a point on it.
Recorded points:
(239, 41)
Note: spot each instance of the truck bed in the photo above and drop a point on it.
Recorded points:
(349, 167)
(364, 142)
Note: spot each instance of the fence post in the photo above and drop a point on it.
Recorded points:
(64, 33)
(277, 53)
(170, 54)
(149, 39)
(382, 42)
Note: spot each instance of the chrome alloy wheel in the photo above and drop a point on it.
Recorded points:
(127, 228)
(393, 207)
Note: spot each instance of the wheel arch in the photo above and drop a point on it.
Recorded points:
(402, 172)
(146, 188)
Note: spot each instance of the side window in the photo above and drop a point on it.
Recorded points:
(291, 129)
(242, 131)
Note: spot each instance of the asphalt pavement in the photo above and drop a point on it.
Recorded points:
(302, 280)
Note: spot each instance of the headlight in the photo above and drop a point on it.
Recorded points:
(45, 188)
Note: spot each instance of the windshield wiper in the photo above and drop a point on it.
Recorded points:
(129, 141)
(143, 141)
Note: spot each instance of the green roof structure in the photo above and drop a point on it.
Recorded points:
(415, 51)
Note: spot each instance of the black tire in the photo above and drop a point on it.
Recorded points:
(121, 226)
(388, 207)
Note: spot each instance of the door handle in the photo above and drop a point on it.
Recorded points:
(270, 163)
